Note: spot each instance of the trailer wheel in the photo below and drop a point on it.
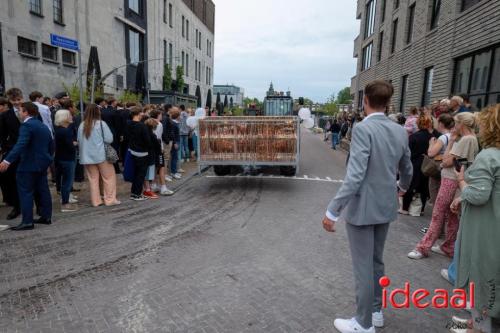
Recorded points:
(222, 170)
(288, 171)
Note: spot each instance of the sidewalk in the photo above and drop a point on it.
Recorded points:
(123, 194)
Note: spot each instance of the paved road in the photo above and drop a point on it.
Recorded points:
(222, 255)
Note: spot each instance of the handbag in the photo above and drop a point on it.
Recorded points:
(430, 167)
(109, 151)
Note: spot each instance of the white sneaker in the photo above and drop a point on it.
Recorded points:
(168, 178)
(188, 160)
(177, 176)
(437, 249)
(72, 199)
(444, 274)
(415, 255)
(155, 188)
(378, 319)
(181, 170)
(351, 326)
(165, 191)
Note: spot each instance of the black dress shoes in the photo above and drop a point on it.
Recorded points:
(23, 226)
(13, 214)
(43, 220)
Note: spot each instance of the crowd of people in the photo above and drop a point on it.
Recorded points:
(455, 154)
(147, 144)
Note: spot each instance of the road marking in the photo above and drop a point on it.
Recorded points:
(317, 179)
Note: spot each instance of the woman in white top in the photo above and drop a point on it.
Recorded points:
(93, 134)
(437, 148)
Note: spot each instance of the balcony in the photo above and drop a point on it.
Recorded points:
(357, 47)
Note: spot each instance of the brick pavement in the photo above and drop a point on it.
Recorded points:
(244, 256)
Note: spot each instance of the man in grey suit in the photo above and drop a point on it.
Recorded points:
(368, 202)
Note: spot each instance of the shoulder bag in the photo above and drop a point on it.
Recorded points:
(109, 151)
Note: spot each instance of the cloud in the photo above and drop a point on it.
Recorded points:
(304, 46)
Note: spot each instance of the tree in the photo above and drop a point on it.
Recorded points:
(209, 99)
(226, 103)
(330, 106)
(179, 77)
(344, 96)
(231, 103)
(217, 101)
(167, 78)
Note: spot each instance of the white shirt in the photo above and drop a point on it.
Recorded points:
(159, 133)
(46, 116)
(374, 114)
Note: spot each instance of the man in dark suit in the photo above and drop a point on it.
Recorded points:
(34, 150)
(111, 116)
(10, 122)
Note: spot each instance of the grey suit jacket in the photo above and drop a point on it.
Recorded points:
(369, 195)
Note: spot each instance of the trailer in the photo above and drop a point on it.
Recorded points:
(225, 142)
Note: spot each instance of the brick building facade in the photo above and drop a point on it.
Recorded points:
(429, 49)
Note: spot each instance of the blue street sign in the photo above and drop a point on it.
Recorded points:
(64, 42)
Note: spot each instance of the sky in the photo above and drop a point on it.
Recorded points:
(302, 45)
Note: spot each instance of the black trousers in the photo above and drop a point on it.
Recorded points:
(140, 169)
(9, 187)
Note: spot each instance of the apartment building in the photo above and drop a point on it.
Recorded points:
(429, 50)
(118, 39)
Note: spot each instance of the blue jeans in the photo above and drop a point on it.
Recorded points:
(174, 155)
(452, 269)
(184, 146)
(195, 144)
(335, 140)
(66, 174)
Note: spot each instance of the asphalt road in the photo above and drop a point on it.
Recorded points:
(239, 254)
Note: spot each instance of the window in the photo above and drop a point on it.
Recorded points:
(58, 11)
(199, 40)
(195, 69)
(187, 65)
(196, 38)
(36, 7)
(165, 50)
(404, 91)
(26, 46)
(396, 4)
(183, 61)
(361, 100)
(394, 38)
(370, 18)
(68, 58)
(382, 8)
(462, 76)
(466, 4)
(435, 11)
(134, 47)
(411, 21)
(170, 15)
(380, 46)
(208, 47)
(164, 11)
(428, 79)
(171, 55)
(494, 90)
(367, 57)
(187, 29)
(49, 52)
(135, 5)
(478, 75)
(183, 27)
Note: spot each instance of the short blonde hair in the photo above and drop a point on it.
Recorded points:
(489, 120)
(62, 117)
(458, 99)
(466, 119)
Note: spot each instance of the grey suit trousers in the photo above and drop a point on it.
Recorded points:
(367, 249)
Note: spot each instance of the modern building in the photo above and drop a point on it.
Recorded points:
(118, 39)
(181, 33)
(429, 50)
(234, 93)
